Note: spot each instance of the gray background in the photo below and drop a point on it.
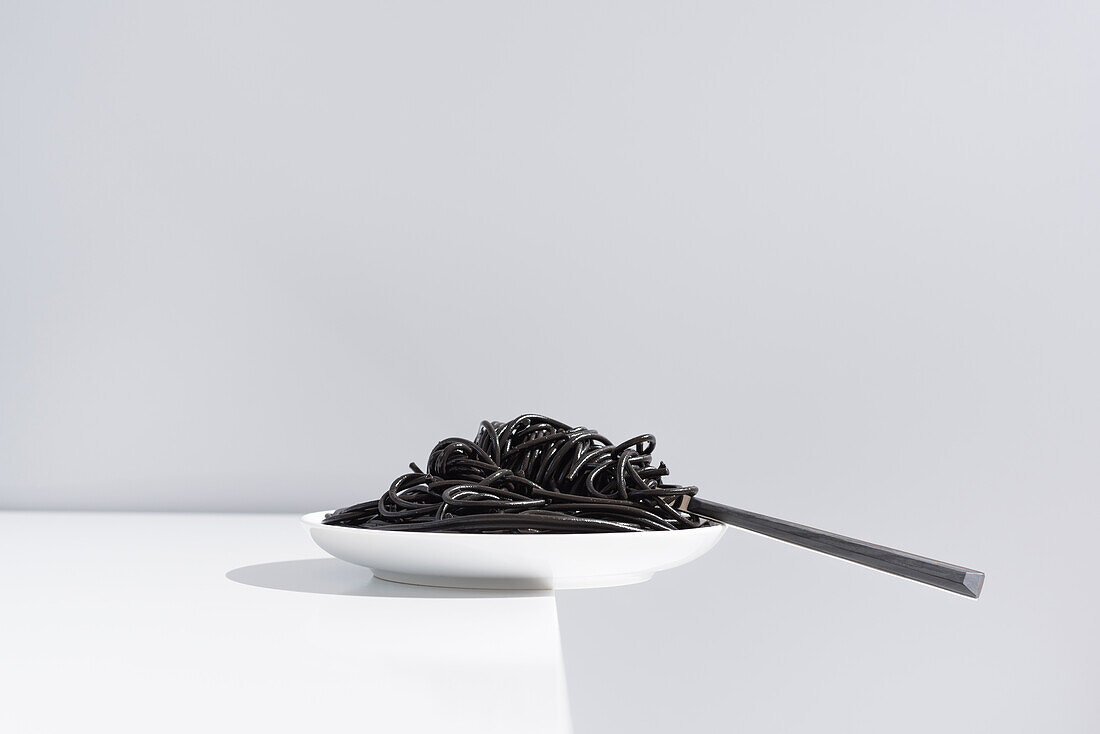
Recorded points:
(841, 258)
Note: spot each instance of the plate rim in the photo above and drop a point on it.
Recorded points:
(313, 520)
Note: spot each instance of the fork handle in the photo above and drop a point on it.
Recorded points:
(965, 581)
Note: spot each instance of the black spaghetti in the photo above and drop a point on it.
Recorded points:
(532, 474)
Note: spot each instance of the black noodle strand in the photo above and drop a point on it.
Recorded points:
(532, 474)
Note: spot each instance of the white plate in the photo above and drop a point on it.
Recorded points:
(543, 561)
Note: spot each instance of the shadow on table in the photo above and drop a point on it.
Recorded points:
(330, 576)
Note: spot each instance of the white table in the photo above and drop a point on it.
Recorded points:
(219, 623)
(198, 623)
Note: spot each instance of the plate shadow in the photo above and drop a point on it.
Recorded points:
(331, 576)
